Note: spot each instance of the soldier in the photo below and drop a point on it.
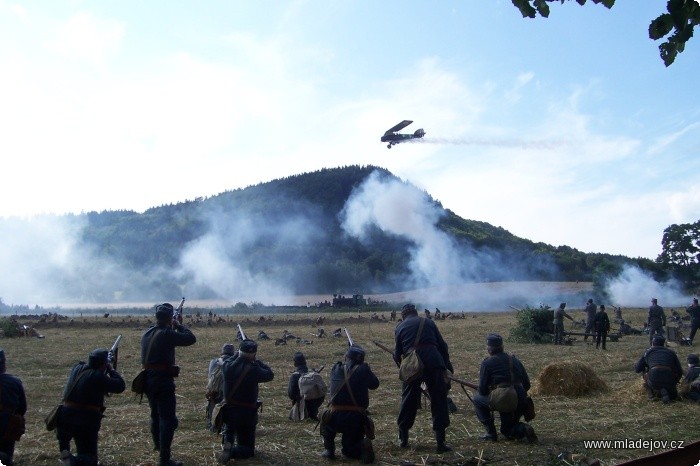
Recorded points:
(80, 418)
(215, 387)
(350, 385)
(559, 315)
(242, 375)
(656, 320)
(392, 316)
(433, 352)
(158, 345)
(692, 378)
(311, 406)
(590, 318)
(662, 370)
(14, 403)
(499, 370)
(694, 311)
(601, 323)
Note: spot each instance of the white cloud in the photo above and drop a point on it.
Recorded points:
(87, 37)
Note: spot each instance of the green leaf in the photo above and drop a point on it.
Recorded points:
(542, 8)
(525, 8)
(661, 26)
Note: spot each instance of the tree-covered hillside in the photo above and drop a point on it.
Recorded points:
(355, 228)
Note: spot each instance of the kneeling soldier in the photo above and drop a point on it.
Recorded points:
(80, 418)
(350, 385)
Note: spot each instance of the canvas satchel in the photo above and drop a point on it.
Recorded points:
(411, 367)
(504, 398)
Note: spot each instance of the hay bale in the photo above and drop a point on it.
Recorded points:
(569, 378)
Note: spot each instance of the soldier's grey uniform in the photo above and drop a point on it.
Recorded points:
(558, 322)
(590, 318)
(656, 320)
(662, 370)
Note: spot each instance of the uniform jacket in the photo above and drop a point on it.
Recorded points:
(163, 349)
(91, 387)
(694, 311)
(360, 382)
(246, 394)
(602, 322)
(660, 356)
(657, 316)
(431, 347)
(293, 391)
(495, 369)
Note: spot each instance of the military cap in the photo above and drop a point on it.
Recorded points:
(164, 311)
(494, 339)
(248, 346)
(97, 357)
(693, 359)
(590, 300)
(228, 349)
(408, 308)
(355, 353)
(658, 340)
(653, 300)
(299, 359)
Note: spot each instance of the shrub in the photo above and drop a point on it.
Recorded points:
(533, 325)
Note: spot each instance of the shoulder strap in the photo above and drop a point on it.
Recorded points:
(340, 387)
(420, 331)
(246, 369)
(347, 382)
(510, 367)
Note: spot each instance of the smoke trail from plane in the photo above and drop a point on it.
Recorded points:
(501, 143)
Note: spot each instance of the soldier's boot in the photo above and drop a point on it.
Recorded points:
(224, 455)
(67, 459)
(490, 434)
(367, 451)
(442, 447)
(665, 397)
(403, 438)
(650, 393)
(329, 448)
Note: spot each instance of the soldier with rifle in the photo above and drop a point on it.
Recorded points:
(158, 345)
(306, 405)
(421, 335)
(501, 370)
(242, 374)
(692, 378)
(81, 416)
(350, 383)
(14, 406)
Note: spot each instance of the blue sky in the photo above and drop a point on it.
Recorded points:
(567, 130)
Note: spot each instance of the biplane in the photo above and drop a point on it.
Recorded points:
(392, 135)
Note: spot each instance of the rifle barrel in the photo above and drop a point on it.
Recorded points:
(350, 342)
(240, 329)
(463, 382)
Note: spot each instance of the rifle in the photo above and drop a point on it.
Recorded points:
(513, 307)
(463, 383)
(177, 315)
(112, 355)
(240, 330)
(350, 342)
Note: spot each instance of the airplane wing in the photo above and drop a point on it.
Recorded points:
(398, 127)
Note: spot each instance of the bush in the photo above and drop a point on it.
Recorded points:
(9, 327)
(533, 325)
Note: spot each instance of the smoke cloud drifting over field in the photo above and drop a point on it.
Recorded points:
(635, 288)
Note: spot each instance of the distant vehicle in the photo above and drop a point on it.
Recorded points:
(392, 136)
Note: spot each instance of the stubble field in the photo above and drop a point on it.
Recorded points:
(562, 423)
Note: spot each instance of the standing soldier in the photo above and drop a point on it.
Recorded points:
(694, 311)
(83, 404)
(558, 322)
(350, 385)
(602, 327)
(422, 335)
(14, 403)
(656, 320)
(215, 382)
(662, 370)
(242, 375)
(158, 359)
(502, 370)
(590, 318)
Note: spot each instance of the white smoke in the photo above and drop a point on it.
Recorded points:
(634, 288)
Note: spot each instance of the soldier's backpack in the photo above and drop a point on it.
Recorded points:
(215, 385)
(312, 386)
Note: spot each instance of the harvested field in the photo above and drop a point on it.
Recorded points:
(563, 423)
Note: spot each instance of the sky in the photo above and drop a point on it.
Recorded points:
(567, 130)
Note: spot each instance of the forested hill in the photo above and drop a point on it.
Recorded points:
(337, 230)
